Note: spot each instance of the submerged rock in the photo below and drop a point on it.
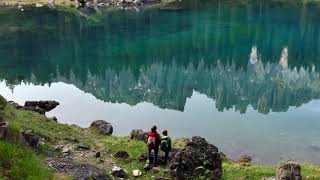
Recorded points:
(76, 170)
(103, 126)
(198, 152)
(288, 170)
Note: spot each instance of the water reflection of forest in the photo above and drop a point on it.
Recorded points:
(162, 57)
(266, 87)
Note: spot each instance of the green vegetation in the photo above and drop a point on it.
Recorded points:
(18, 161)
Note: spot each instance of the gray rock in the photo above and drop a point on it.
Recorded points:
(83, 147)
(138, 134)
(15, 105)
(245, 159)
(155, 170)
(30, 138)
(147, 167)
(118, 172)
(288, 170)
(198, 152)
(77, 170)
(199, 171)
(40, 106)
(136, 173)
(38, 5)
(103, 126)
(121, 154)
(97, 154)
(54, 119)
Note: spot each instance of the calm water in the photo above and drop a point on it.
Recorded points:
(246, 77)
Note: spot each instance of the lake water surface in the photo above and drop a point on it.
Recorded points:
(246, 77)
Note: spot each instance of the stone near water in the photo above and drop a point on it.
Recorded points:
(198, 152)
(121, 154)
(54, 118)
(245, 159)
(138, 134)
(103, 127)
(118, 172)
(288, 170)
(40, 106)
(136, 173)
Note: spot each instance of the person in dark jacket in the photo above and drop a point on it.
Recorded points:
(165, 144)
(153, 141)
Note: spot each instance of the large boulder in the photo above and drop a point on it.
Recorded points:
(197, 153)
(138, 134)
(288, 170)
(103, 126)
(46, 105)
(77, 170)
(40, 106)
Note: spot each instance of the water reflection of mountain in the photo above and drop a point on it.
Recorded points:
(161, 57)
(267, 87)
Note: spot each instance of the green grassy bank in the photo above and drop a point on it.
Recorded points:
(20, 162)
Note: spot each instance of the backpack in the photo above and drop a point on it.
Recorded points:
(151, 142)
(164, 145)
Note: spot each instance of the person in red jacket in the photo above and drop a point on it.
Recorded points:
(153, 143)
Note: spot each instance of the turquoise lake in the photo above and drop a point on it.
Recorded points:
(244, 76)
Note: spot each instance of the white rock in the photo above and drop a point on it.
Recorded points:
(39, 5)
(136, 173)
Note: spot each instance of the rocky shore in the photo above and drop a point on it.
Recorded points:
(94, 153)
(21, 4)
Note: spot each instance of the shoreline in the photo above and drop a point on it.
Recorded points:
(62, 143)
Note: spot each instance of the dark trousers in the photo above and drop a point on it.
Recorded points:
(166, 155)
(155, 157)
